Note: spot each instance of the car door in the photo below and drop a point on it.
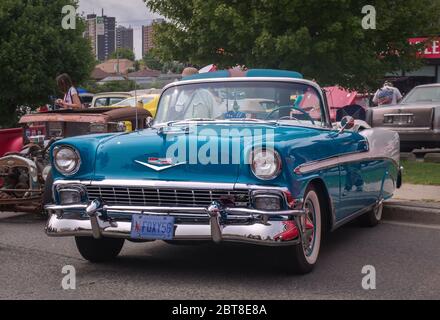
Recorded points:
(360, 178)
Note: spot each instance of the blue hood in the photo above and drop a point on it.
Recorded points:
(124, 156)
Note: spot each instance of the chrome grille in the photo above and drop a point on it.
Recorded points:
(140, 196)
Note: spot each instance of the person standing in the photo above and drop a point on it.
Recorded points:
(387, 95)
(71, 98)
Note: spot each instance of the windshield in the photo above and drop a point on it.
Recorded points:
(131, 102)
(242, 100)
(423, 94)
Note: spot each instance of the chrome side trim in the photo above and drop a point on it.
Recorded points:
(353, 216)
(383, 145)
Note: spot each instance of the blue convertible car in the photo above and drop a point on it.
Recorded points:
(248, 156)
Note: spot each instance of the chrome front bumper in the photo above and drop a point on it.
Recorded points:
(213, 223)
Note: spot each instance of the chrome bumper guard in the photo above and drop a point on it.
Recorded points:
(257, 226)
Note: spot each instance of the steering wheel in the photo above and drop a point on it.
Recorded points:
(293, 108)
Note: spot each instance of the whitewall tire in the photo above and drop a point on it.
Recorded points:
(305, 254)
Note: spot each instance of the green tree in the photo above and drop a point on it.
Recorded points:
(111, 86)
(123, 53)
(173, 67)
(152, 62)
(323, 39)
(34, 49)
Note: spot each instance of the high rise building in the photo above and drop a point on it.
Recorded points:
(124, 38)
(102, 34)
(91, 31)
(148, 36)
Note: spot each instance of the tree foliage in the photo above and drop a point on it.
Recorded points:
(123, 53)
(152, 62)
(111, 86)
(34, 49)
(323, 39)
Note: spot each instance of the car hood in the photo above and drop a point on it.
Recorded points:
(203, 152)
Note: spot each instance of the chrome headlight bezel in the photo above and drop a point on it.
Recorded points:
(75, 156)
(276, 165)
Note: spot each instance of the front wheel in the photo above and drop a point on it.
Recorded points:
(99, 250)
(305, 254)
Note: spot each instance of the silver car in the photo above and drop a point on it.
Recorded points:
(416, 118)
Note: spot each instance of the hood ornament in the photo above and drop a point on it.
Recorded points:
(159, 164)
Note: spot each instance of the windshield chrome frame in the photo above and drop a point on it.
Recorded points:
(328, 123)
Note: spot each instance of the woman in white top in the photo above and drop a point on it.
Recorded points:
(71, 99)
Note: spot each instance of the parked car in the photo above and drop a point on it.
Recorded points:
(416, 118)
(25, 178)
(206, 170)
(342, 103)
(149, 102)
(106, 99)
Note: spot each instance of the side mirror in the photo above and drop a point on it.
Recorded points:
(347, 123)
(149, 122)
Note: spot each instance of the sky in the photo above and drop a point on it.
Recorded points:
(132, 13)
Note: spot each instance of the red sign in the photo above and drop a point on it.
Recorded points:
(432, 48)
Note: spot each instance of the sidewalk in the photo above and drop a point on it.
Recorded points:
(418, 204)
(412, 192)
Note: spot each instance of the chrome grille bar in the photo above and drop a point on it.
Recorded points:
(113, 195)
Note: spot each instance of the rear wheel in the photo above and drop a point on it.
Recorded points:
(372, 217)
(305, 254)
(99, 250)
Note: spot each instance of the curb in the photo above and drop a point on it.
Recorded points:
(412, 212)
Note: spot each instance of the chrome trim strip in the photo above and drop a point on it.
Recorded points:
(382, 145)
(243, 79)
(172, 210)
(159, 168)
(353, 216)
(398, 114)
(171, 184)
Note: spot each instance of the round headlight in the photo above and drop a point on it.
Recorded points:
(66, 160)
(265, 164)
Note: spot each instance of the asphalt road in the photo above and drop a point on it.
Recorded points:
(406, 259)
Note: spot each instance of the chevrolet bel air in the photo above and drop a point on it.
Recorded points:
(248, 157)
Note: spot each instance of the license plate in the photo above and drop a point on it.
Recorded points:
(152, 227)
